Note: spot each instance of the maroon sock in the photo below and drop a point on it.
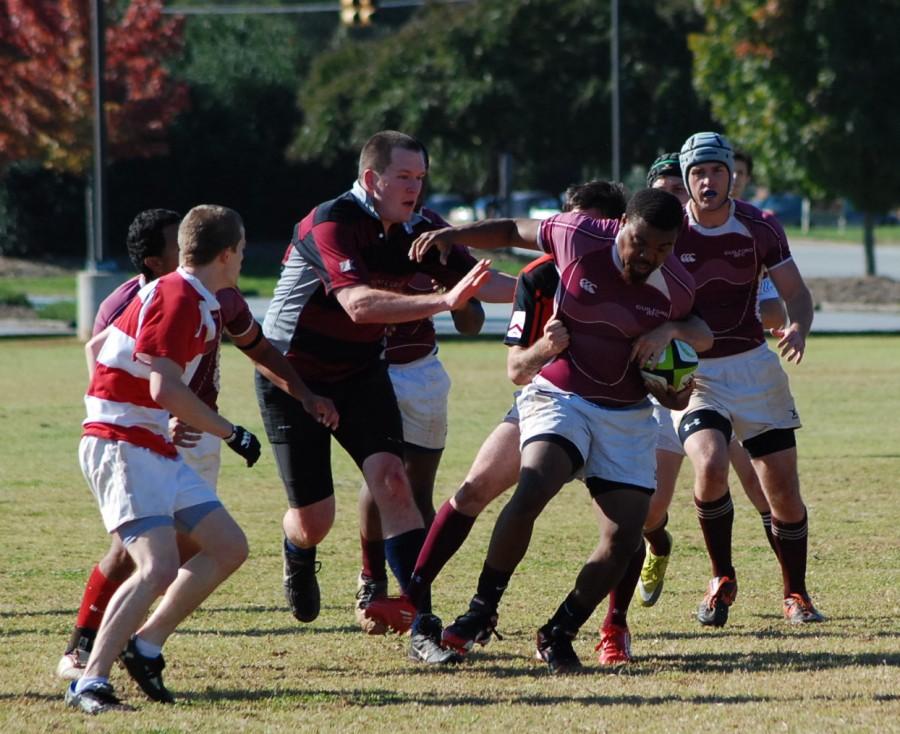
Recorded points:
(620, 596)
(97, 593)
(448, 531)
(716, 519)
(791, 542)
(660, 544)
(373, 561)
(767, 528)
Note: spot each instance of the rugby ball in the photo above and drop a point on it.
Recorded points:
(677, 362)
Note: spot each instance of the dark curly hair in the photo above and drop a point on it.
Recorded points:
(145, 236)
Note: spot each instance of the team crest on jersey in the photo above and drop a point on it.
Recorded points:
(516, 325)
(346, 266)
(587, 286)
(688, 257)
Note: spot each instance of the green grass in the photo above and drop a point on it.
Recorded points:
(242, 663)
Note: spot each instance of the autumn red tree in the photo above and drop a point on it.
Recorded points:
(45, 84)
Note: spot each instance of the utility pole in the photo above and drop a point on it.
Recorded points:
(614, 89)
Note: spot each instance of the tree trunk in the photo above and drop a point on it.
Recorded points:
(869, 242)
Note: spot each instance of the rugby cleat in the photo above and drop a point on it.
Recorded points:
(614, 647)
(474, 627)
(713, 610)
(554, 647)
(97, 699)
(367, 590)
(392, 612)
(799, 609)
(653, 573)
(425, 642)
(147, 673)
(301, 590)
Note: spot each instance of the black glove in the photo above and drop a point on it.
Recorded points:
(244, 443)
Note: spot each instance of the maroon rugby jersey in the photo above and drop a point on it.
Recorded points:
(236, 318)
(726, 263)
(342, 243)
(602, 312)
(407, 342)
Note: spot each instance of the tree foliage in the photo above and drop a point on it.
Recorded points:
(810, 88)
(526, 77)
(45, 88)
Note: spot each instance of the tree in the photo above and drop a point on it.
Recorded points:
(525, 77)
(810, 88)
(45, 88)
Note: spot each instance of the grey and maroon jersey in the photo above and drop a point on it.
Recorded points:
(726, 263)
(603, 313)
(342, 243)
(114, 304)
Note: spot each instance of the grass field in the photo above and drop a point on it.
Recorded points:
(243, 664)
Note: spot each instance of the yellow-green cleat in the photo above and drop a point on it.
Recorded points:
(653, 573)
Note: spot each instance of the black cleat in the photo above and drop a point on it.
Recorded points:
(367, 590)
(94, 700)
(425, 642)
(554, 647)
(147, 673)
(300, 586)
(474, 627)
(720, 595)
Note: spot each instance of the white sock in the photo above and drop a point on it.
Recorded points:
(147, 649)
(83, 683)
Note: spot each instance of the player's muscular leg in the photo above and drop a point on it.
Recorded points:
(156, 558)
(223, 548)
(495, 469)
(708, 452)
(545, 468)
(421, 469)
(116, 565)
(387, 481)
(668, 464)
(743, 467)
(621, 516)
(781, 484)
(369, 517)
(307, 526)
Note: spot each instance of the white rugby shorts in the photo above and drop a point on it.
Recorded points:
(667, 439)
(750, 389)
(422, 388)
(618, 445)
(130, 482)
(205, 458)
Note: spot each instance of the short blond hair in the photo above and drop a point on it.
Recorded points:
(207, 230)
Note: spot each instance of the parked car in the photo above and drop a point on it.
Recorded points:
(787, 208)
(523, 204)
(452, 207)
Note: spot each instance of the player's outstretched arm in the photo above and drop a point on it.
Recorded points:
(800, 308)
(367, 305)
(692, 330)
(489, 234)
(92, 350)
(523, 363)
(499, 288)
(276, 368)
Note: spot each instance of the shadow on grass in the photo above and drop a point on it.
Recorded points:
(298, 629)
(40, 613)
(781, 634)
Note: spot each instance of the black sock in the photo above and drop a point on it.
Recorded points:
(491, 585)
(571, 616)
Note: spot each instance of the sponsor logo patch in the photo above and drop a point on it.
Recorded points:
(516, 325)
(346, 266)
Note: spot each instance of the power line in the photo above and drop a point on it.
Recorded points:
(298, 9)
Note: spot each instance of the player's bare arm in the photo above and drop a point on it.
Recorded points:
(669, 398)
(469, 319)
(523, 363)
(167, 389)
(276, 368)
(772, 314)
(499, 288)
(92, 350)
(799, 303)
(693, 330)
(489, 234)
(367, 305)
(183, 434)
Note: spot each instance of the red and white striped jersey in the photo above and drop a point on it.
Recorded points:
(175, 317)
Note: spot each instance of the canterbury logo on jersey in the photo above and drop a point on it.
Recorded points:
(688, 257)
(587, 286)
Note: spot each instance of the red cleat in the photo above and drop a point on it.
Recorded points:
(615, 645)
(395, 612)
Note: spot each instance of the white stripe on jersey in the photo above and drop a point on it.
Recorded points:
(115, 413)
